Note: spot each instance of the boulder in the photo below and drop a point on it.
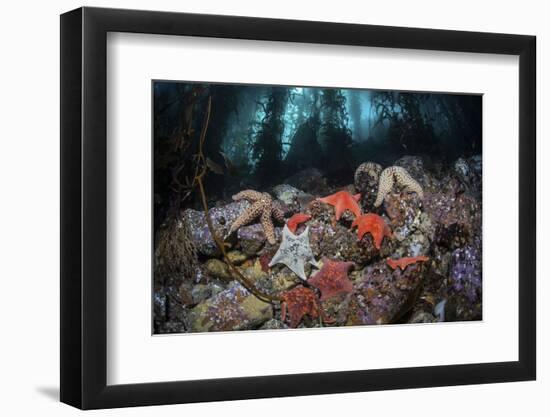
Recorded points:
(384, 295)
(222, 218)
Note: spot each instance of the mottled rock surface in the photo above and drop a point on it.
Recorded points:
(232, 309)
(222, 218)
(383, 296)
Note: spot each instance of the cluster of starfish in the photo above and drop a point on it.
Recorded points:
(331, 280)
(365, 223)
(295, 251)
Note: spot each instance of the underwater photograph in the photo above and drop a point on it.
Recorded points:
(288, 207)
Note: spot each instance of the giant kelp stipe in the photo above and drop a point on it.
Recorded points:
(278, 207)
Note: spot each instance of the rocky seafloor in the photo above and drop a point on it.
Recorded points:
(195, 290)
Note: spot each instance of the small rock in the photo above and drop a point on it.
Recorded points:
(218, 269)
(232, 309)
(254, 272)
(201, 292)
(461, 167)
(185, 293)
(293, 199)
(283, 280)
(422, 317)
(286, 193)
(251, 238)
(273, 324)
(304, 200)
(236, 257)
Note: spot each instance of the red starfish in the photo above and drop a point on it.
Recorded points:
(343, 200)
(301, 301)
(404, 262)
(332, 279)
(295, 220)
(375, 225)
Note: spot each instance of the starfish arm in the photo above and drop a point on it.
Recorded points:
(248, 195)
(385, 185)
(287, 234)
(358, 172)
(250, 214)
(360, 232)
(415, 188)
(407, 181)
(338, 211)
(328, 200)
(267, 225)
(356, 210)
(372, 169)
(313, 262)
(298, 268)
(278, 214)
(276, 259)
(303, 237)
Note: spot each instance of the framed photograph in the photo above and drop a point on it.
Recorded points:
(256, 208)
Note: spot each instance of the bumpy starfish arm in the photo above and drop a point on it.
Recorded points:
(416, 190)
(385, 184)
(250, 214)
(267, 225)
(409, 183)
(414, 187)
(248, 195)
(278, 214)
(370, 168)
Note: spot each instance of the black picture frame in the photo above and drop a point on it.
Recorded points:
(84, 207)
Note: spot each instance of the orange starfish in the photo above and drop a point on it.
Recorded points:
(404, 262)
(332, 279)
(295, 220)
(342, 201)
(301, 301)
(375, 225)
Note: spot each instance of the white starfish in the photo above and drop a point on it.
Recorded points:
(295, 252)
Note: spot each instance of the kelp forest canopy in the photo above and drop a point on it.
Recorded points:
(259, 135)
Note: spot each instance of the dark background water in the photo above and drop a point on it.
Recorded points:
(259, 135)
